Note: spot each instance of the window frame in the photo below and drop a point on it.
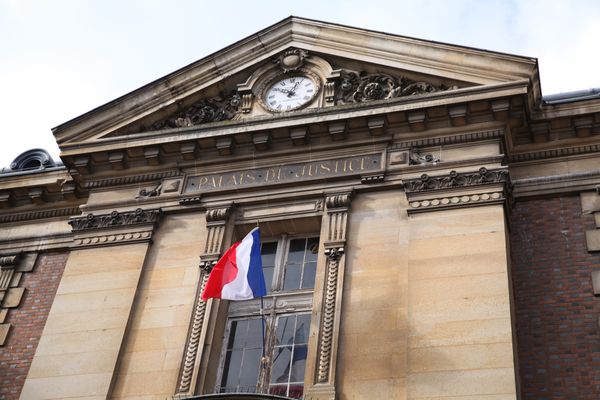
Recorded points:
(277, 303)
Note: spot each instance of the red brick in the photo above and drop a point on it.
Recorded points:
(28, 322)
(556, 312)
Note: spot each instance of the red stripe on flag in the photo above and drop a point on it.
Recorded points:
(224, 272)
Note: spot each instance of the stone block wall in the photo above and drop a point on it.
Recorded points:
(27, 322)
(557, 314)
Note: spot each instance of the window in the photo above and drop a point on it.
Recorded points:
(289, 266)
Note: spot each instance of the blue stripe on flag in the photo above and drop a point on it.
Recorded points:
(256, 279)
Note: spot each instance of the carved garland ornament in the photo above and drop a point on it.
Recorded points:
(219, 108)
(359, 87)
(115, 219)
(455, 179)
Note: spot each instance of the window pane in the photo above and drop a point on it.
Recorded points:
(249, 375)
(254, 337)
(267, 252)
(293, 273)
(312, 249)
(285, 330)
(237, 335)
(298, 363)
(280, 370)
(268, 273)
(231, 370)
(308, 279)
(296, 254)
(302, 327)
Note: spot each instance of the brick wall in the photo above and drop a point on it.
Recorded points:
(556, 312)
(28, 322)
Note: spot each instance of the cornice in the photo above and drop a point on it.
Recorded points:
(561, 183)
(556, 152)
(470, 65)
(462, 137)
(130, 179)
(332, 114)
(30, 215)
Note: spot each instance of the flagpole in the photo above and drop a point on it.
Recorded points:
(262, 317)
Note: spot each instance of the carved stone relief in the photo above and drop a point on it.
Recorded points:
(455, 179)
(474, 189)
(336, 219)
(114, 219)
(419, 158)
(359, 87)
(219, 108)
(115, 228)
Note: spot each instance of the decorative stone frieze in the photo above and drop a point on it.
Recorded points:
(454, 201)
(12, 267)
(455, 179)
(468, 189)
(216, 220)
(218, 108)
(357, 87)
(115, 219)
(115, 228)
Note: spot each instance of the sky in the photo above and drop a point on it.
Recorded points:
(62, 58)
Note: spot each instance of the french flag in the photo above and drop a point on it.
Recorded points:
(238, 275)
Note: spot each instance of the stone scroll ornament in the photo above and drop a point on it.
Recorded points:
(219, 108)
(337, 221)
(216, 220)
(360, 87)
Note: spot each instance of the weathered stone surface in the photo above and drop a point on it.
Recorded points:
(4, 328)
(12, 298)
(590, 202)
(592, 239)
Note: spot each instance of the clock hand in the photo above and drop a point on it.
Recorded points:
(293, 91)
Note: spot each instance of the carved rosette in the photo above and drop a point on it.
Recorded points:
(466, 189)
(216, 220)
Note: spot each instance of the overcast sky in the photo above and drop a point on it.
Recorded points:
(59, 58)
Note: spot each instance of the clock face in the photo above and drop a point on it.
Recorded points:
(290, 93)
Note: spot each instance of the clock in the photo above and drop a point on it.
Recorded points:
(290, 93)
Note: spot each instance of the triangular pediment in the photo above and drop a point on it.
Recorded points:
(350, 67)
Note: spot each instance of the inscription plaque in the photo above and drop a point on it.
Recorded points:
(285, 173)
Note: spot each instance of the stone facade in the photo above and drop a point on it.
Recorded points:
(437, 216)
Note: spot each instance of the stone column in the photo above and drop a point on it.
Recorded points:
(78, 352)
(216, 220)
(460, 335)
(335, 219)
